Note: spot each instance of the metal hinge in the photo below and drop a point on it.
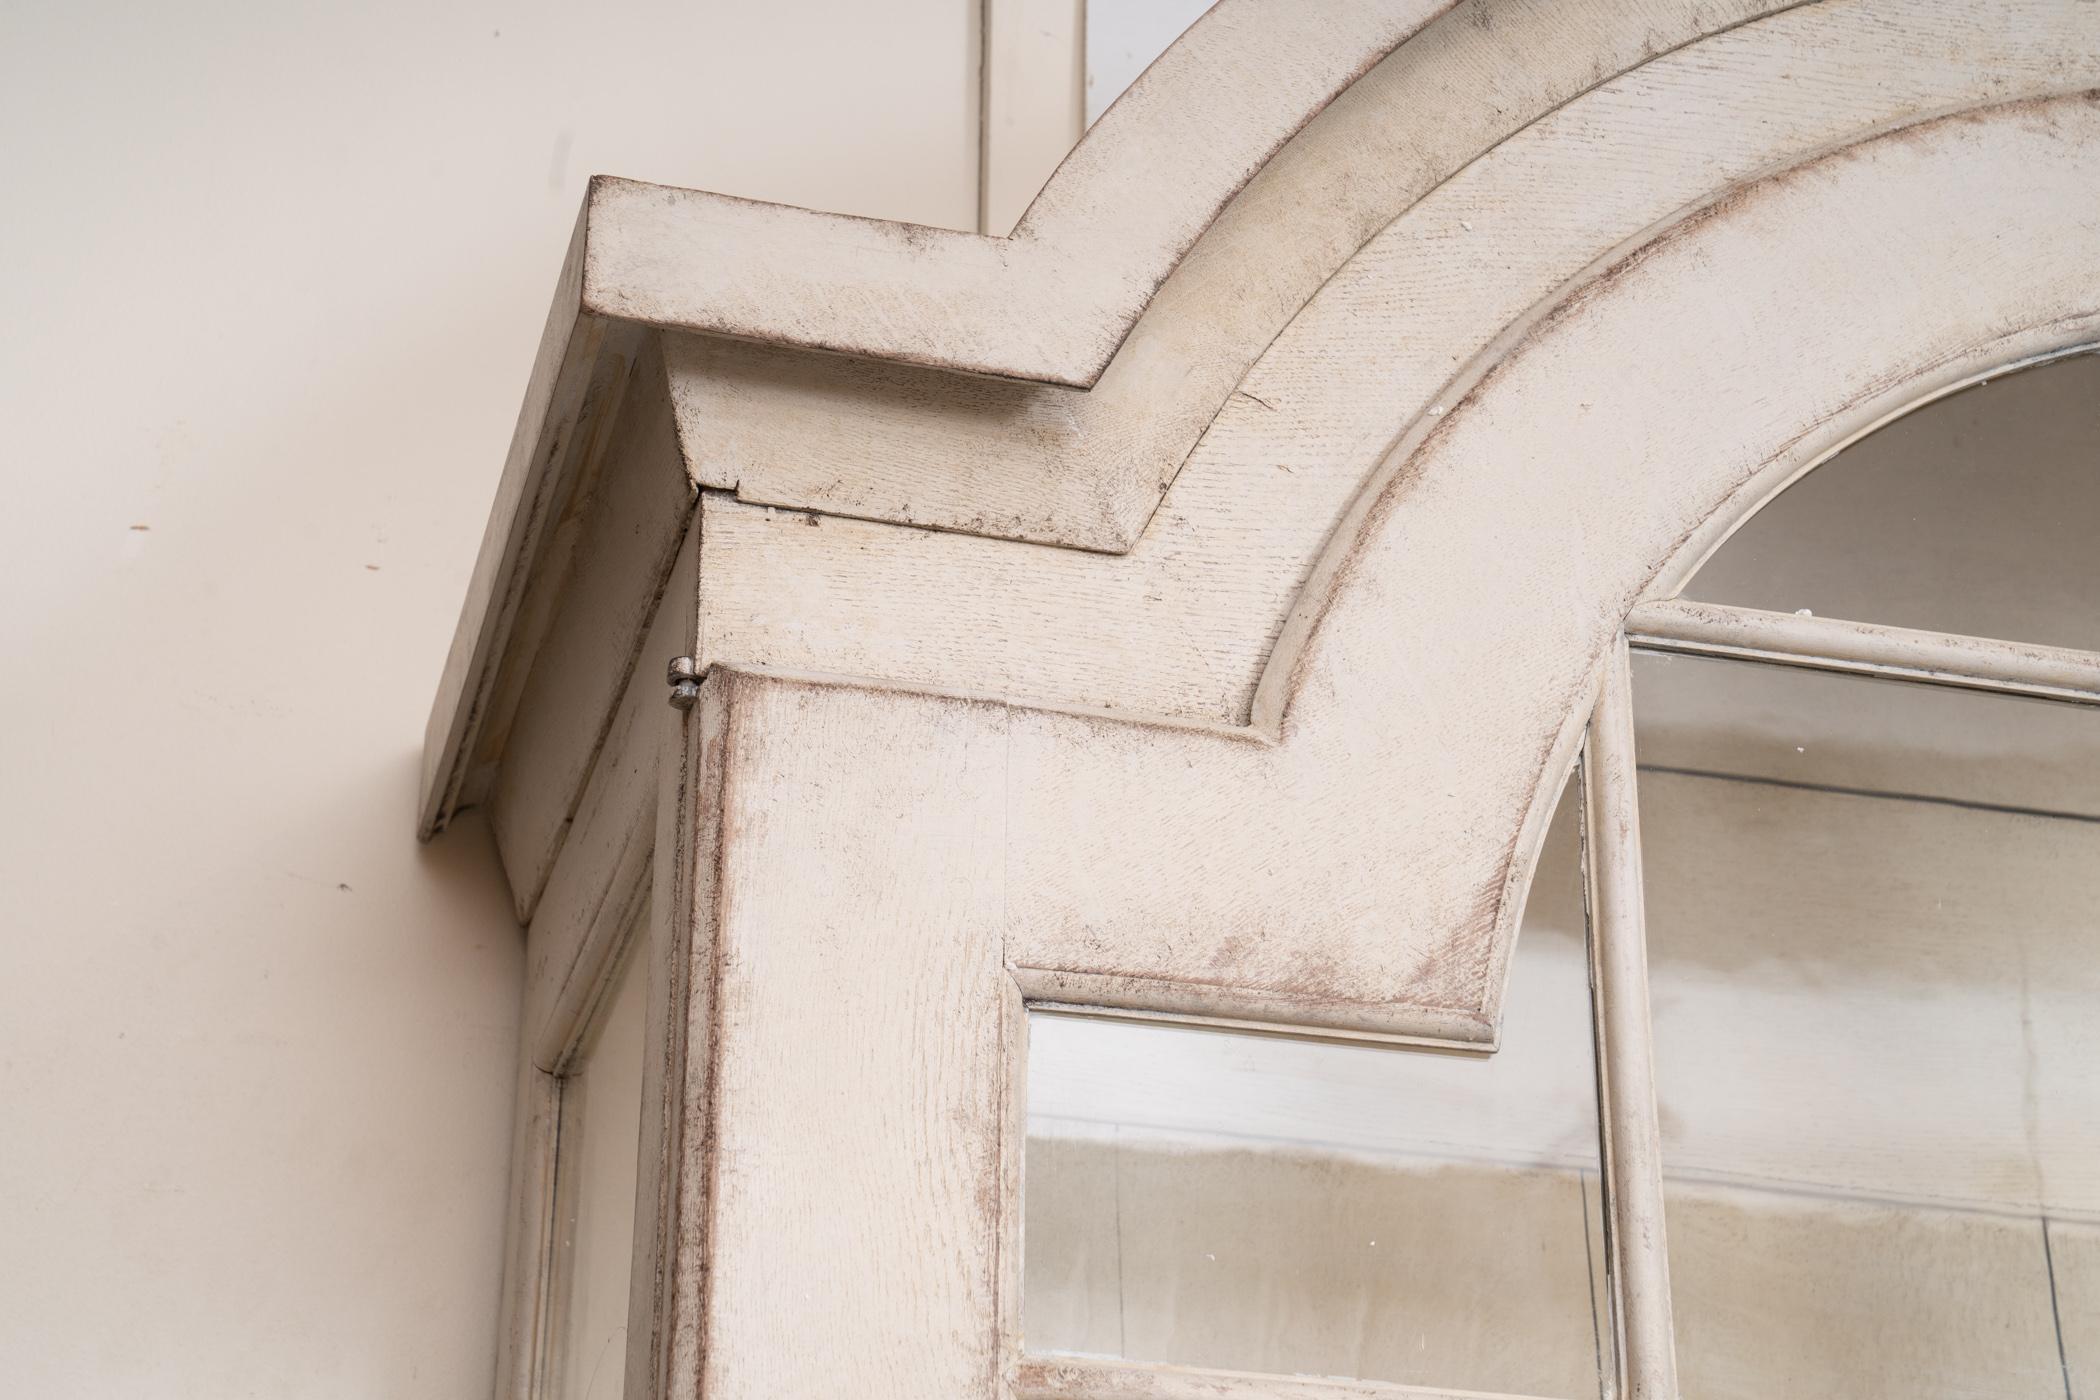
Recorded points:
(684, 678)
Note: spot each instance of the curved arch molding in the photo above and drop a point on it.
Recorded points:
(1350, 542)
(1429, 690)
(1354, 857)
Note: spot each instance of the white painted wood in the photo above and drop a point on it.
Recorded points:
(858, 1029)
(598, 899)
(1268, 1203)
(592, 902)
(1540, 580)
(1861, 648)
(1198, 612)
(627, 515)
(1530, 1103)
(1183, 626)
(1050, 303)
(1088, 1378)
(1032, 78)
(1557, 557)
(1039, 463)
(603, 875)
(1290, 761)
(1635, 1240)
(596, 1166)
(528, 1238)
(580, 363)
(671, 1271)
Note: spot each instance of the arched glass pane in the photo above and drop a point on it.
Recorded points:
(1874, 957)
(1286, 1206)
(1978, 514)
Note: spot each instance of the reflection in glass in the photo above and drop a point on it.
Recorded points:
(1279, 1205)
(595, 1172)
(1874, 960)
(1977, 514)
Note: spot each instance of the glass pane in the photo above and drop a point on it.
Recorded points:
(1977, 514)
(1286, 1206)
(1874, 943)
(595, 1173)
(1122, 39)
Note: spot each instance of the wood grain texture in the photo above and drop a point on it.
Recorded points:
(1505, 571)
(1223, 554)
(1379, 885)
(1291, 760)
(599, 888)
(1635, 1240)
(1184, 625)
(1047, 464)
(670, 1190)
(859, 1109)
(690, 827)
(1051, 302)
(629, 518)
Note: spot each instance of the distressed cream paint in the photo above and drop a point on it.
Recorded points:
(932, 773)
(273, 274)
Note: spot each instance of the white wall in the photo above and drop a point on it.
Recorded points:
(273, 277)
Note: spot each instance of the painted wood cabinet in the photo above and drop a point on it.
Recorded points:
(1190, 610)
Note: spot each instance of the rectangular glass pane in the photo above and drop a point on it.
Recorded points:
(1874, 959)
(596, 1163)
(1287, 1206)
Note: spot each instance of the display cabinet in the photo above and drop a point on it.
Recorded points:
(1025, 759)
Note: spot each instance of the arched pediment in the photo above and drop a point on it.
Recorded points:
(1182, 625)
(1191, 606)
(1049, 303)
(1427, 695)
(1377, 510)
(1026, 457)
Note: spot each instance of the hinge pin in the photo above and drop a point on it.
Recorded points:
(684, 678)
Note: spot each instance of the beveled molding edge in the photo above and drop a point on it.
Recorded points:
(1050, 1376)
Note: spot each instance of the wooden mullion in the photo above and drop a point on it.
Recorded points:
(1861, 648)
(1636, 1249)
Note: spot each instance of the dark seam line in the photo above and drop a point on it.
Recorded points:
(2055, 1313)
(2003, 808)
